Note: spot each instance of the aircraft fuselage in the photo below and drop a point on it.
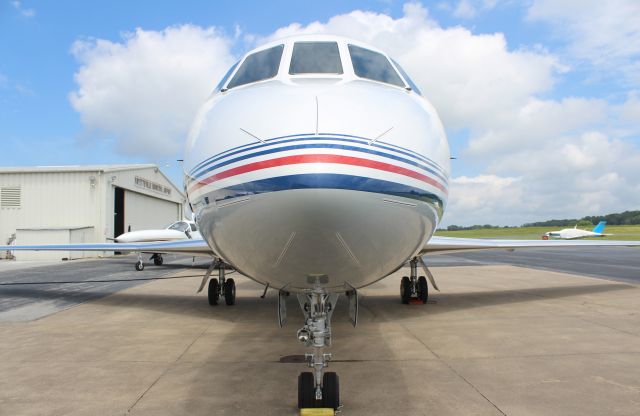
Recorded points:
(307, 181)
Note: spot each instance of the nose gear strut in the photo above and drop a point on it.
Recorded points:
(317, 388)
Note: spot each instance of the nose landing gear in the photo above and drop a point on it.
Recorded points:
(317, 389)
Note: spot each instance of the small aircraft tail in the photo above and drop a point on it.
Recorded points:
(600, 227)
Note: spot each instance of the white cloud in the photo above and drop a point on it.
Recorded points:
(464, 10)
(540, 157)
(587, 174)
(474, 81)
(537, 157)
(469, 9)
(536, 123)
(144, 91)
(25, 12)
(478, 199)
(604, 33)
(630, 110)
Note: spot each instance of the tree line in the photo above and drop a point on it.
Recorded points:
(622, 218)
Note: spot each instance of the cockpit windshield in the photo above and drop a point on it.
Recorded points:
(179, 226)
(258, 66)
(406, 77)
(226, 76)
(373, 65)
(315, 58)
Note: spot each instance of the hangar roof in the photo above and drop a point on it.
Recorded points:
(75, 168)
(88, 168)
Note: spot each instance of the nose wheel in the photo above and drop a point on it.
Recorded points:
(331, 390)
(307, 391)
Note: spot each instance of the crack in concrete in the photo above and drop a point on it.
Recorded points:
(609, 327)
(166, 370)
(453, 370)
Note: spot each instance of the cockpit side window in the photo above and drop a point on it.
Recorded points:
(406, 77)
(258, 66)
(226, 76)
(373, 65)
(315, 58)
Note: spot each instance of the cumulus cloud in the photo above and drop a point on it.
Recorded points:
(573, 158)
(464, 10)
(474, 81)
(604, 33)
(535, 156)
(143, 92)
(25, 12)
(589, 173)
(540, 157)
(536, 123)
(481, 195)
(630, 110)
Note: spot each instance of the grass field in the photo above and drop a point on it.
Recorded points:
(620, 232)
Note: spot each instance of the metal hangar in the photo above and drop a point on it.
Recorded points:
(83, 204)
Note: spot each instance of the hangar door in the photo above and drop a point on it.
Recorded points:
(143, 212)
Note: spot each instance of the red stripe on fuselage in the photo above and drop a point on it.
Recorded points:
(318, 158)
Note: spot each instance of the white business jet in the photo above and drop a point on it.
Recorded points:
(179, 230)
(575, 233)
(316, 167)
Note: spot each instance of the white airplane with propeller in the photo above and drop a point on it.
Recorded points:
(178, 230)
(575, 232)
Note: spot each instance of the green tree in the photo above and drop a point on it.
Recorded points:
(585, 223)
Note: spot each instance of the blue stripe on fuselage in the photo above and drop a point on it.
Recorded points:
(198, 169)
(320, 146)
(329, 181)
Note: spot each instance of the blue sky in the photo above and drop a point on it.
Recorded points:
(554, 79)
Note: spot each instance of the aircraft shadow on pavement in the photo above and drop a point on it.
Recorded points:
(246, 307)
(451, 302)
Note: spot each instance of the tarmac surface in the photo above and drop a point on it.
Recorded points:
(32, 289)
(497, 340)
(612, 263)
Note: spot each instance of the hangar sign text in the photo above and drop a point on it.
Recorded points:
(153, 186)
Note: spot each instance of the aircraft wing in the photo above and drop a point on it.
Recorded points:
(454, 244)
(190, 247)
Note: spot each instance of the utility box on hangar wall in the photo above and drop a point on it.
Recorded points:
(83, 204)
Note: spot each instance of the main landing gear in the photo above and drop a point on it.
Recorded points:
(220, 287)
(414, 289)
(317, 388)
(156, 257)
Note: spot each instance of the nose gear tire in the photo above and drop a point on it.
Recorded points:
(306, 391)
(331, 390)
